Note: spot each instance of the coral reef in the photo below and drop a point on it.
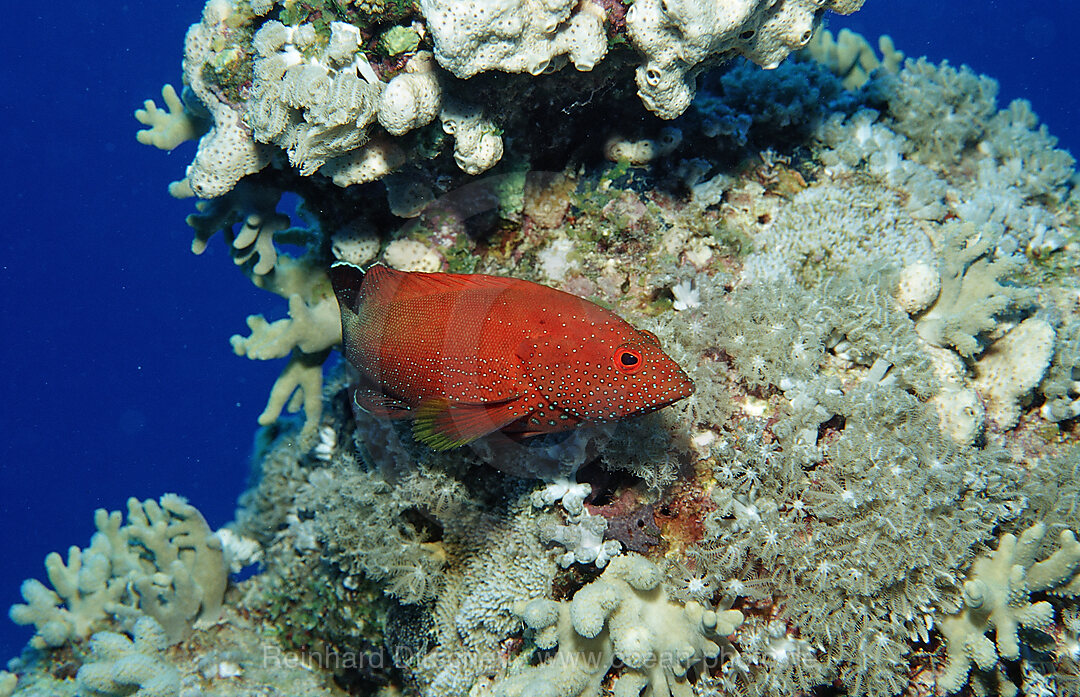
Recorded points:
(309, 82)
(864, 263)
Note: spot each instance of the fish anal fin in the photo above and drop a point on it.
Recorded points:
(442, 425)
(379, 405)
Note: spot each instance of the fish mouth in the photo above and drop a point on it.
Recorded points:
(685, 388)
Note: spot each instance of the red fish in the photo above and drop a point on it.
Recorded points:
(467, 354)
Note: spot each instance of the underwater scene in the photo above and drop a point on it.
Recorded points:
(643, 348)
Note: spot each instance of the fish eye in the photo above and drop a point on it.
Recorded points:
(628, 360)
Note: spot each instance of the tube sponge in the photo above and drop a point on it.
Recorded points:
(478, 144)
(520, 36)
(678, 36)
(227, 151)
(411, 99)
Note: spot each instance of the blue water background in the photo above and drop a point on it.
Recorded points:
(117, 376)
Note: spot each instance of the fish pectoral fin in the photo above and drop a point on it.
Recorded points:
(441, 424)
(380, 405)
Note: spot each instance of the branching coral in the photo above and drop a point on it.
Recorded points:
(165, 563)
(972, 298)
(851, 57)
(82, 591)
(996, 596)
(251, 223)
(312, 328)
(254, 208)
(170, 127)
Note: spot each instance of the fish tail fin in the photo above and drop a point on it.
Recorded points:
(346, 279)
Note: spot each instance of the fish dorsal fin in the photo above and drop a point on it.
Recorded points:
(346, 279)
(402, 285)
(441, 424)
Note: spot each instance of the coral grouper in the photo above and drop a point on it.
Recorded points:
(467, 354)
